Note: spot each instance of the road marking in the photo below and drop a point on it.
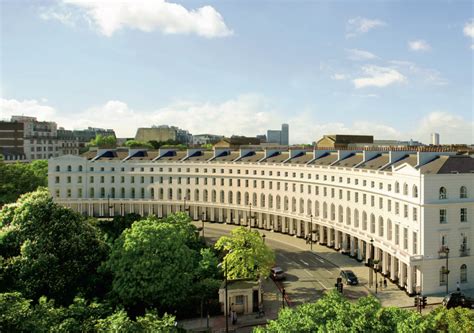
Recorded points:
(320, 260)
(311, 275)
(304, 262)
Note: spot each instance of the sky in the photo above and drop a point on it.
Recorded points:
(392, 69)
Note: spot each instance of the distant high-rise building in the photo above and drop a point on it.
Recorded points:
(285, 134)
(279, 136)
(435, 139)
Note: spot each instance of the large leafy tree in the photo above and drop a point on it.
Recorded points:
(19, 178)
(103, 141)
(152, 264)
(48, 249)
(247, 256)
(334, 313)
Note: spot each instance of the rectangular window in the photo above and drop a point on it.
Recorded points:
(389, 205)
(69, 179)
(79, 192)
(443, 218)
(415, 214)
(68, 192)
(364, 199)
(57, 180)
(405, 211)
(101, 179)
(356, 199)
(372, 201)
(463, 214)
(112, 179)
(397, 208)
(122, 179)
(132, 180)
(91, 179)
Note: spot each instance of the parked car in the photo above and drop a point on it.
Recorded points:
(277, 273)
(455, 299)
(349, 277)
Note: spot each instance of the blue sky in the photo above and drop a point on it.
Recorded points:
(395, 69)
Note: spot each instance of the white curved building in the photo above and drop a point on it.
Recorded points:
(398, 207)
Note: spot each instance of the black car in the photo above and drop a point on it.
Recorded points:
(349, 277)
(277, 273)
(455, 299)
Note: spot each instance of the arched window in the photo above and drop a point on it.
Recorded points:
(415, 191)
(340, 214)
(309, 207)
(196, 195)
(239, 198)
(213, 196)
(262, 200)
(161, 195)
(364, 221)
(463, 192)
(333, 212)
(205, 196)
(170, 194)
(325, 210)
(389, 229)
(293, 205)
(381, 227)
(112, 194)
(356, 218)
(463, 273)
(372, 223)
(179, 194)
(270, 201)
(316, 208)
(301, 206)
(442, 276)
(397, 187)
(133, 193)
(152, 193)
(222, 197)
(69, 168)
(278, 202)
(246, 199)
(348, 216)
(254, 199)
(58, 168)
(230, 197)
(442, 193)
(91, 192)
(80, 168)
(405, 189)
(285, 203)
(122, 192)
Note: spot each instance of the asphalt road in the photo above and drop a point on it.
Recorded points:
(307, 274)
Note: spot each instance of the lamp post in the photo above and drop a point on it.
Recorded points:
(373, 262)
(445, 250)
(202, 221)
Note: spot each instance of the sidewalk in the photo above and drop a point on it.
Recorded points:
(245, 323)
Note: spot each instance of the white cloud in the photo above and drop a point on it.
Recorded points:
(469, 29)
(110, 16)
(376, 76)
(451, 127)
(427, 75)
(360, 55)
(419, 45)
(33, 108)
(249, 114)
(338, 76)
(360, 25)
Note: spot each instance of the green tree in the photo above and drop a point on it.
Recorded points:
(19, 178)
(58, 251)
(138, 144)
(15, 313)
(101, 141)
(152, 265)
(247, 255)
(150, 322)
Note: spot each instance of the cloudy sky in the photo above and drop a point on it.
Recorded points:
(394, 69)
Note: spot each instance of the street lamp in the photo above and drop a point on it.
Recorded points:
(445, 250)
(202, 221)
(373, 262)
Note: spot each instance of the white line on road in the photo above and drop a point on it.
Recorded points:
(320, 260)
(304, 262)
(311, 275)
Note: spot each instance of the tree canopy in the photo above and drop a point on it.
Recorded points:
(47, 249)
(19, 178)
(247, 256)
(334, 313)
(103, 141)
(152, 264)
(138, 144)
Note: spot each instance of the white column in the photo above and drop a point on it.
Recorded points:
(352, 246)
(409, 273)
(384, 262)
(393, 267)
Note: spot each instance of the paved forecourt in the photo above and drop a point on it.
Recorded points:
(309, 274)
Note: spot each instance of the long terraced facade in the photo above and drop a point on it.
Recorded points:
(403, 208)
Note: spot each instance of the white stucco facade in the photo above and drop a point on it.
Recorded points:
(369, 204)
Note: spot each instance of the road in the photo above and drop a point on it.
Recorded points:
(307, 274)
